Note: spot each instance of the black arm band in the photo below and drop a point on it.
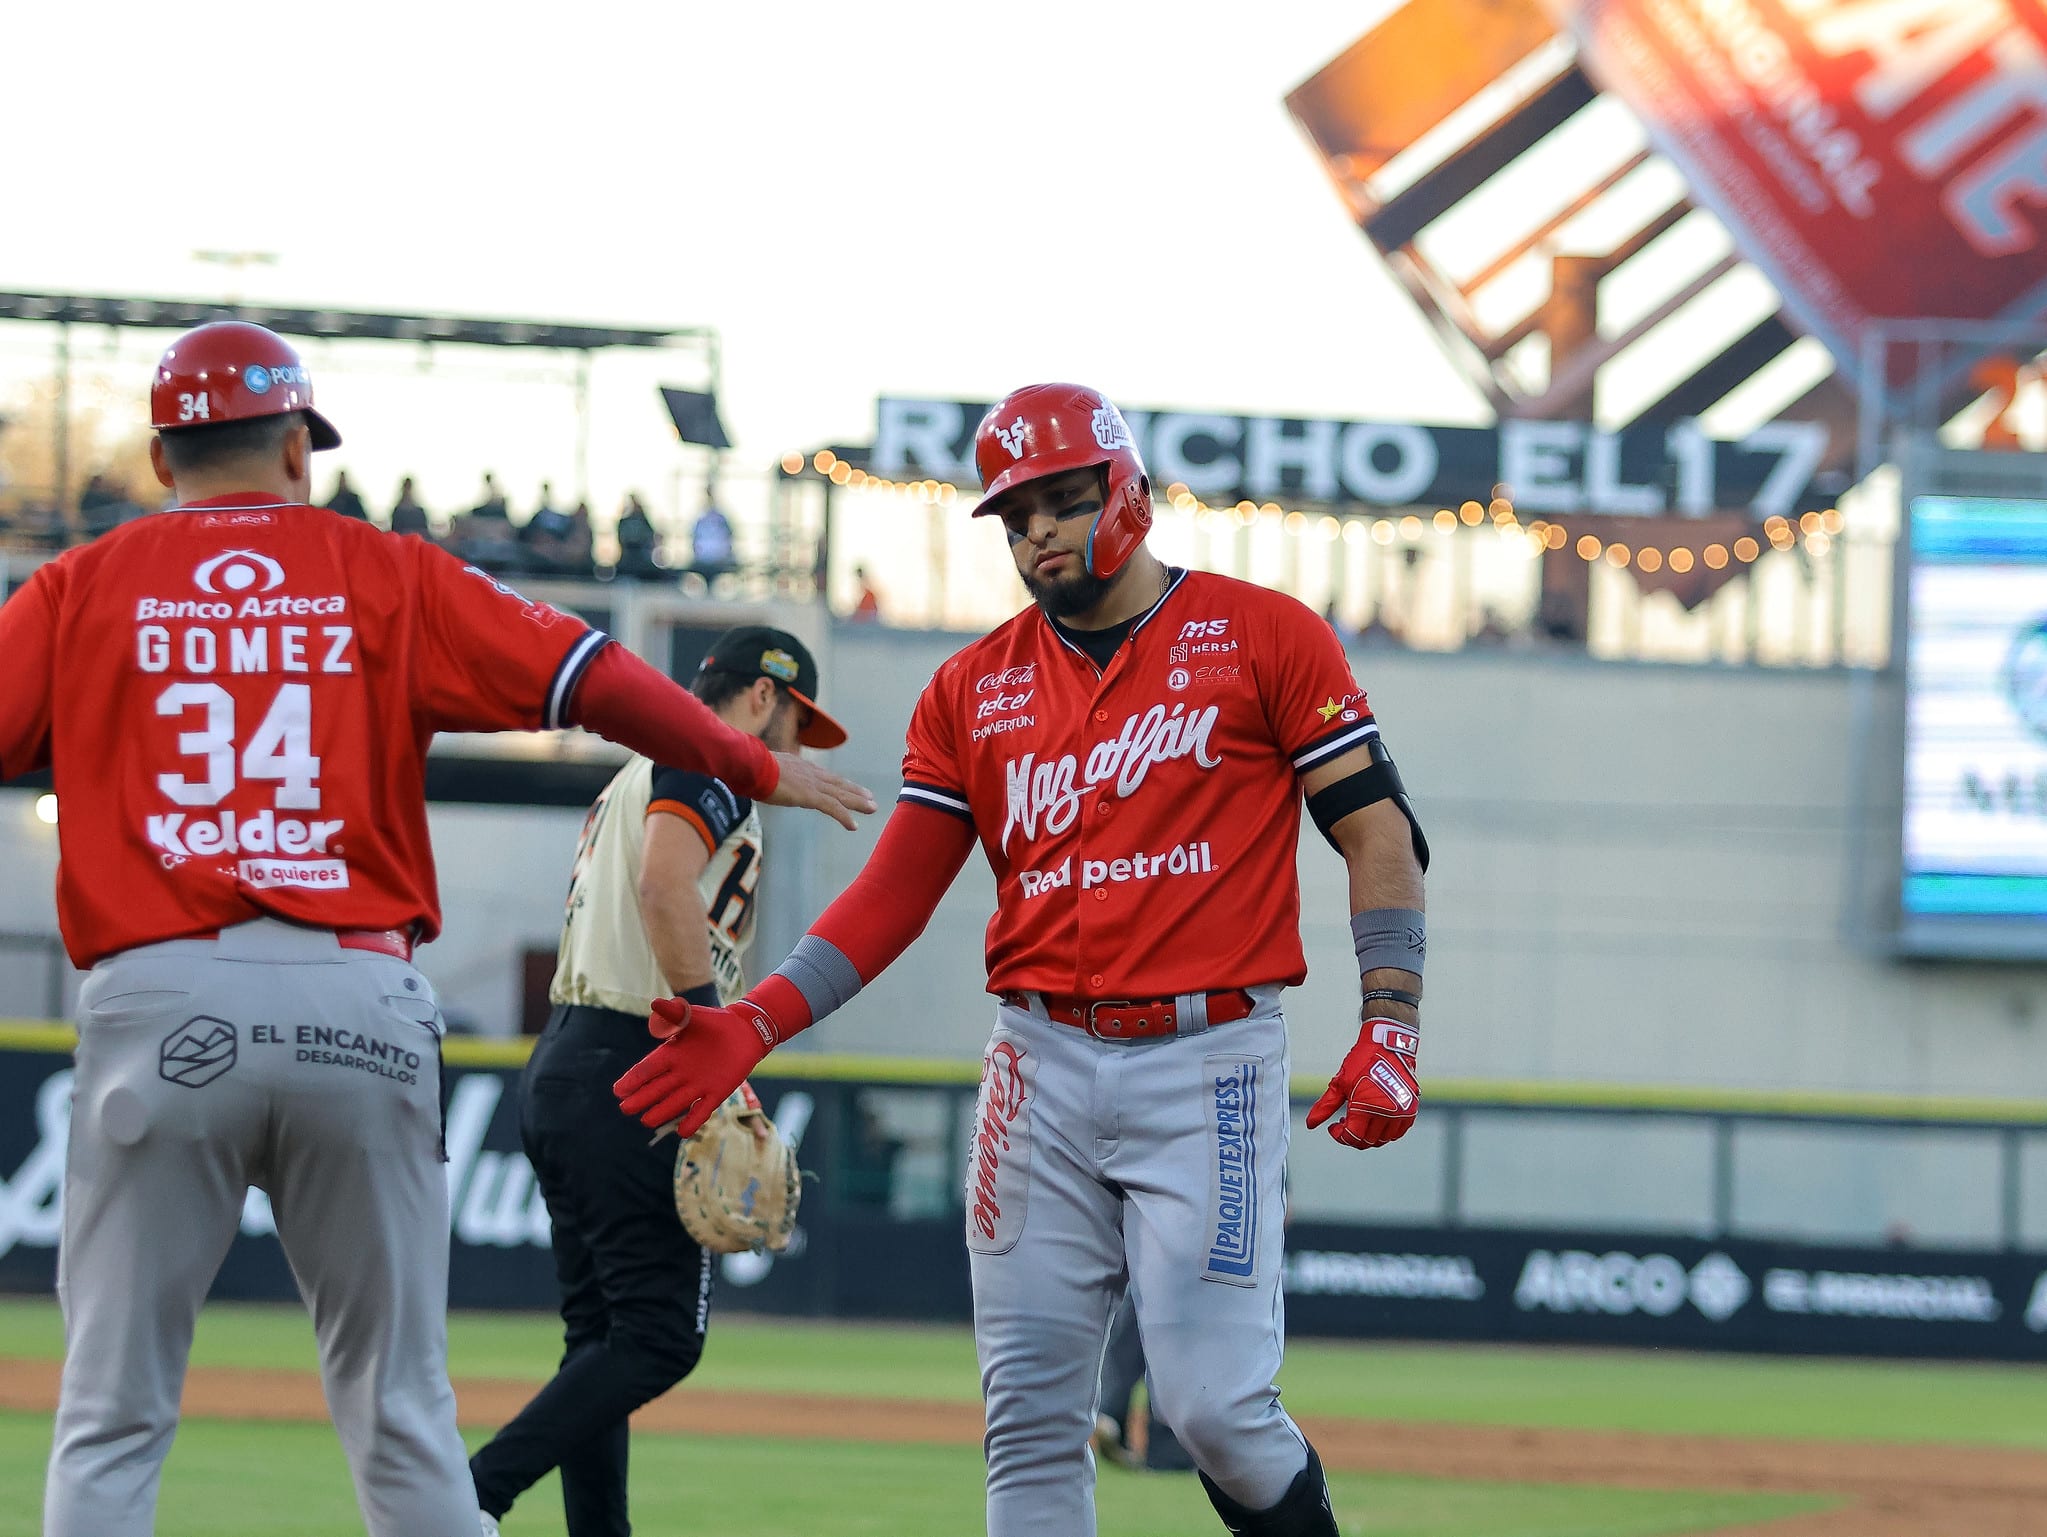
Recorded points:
(1393, 995)
(1378, 782)
(703, 996)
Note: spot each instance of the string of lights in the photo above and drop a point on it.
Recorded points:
(1817, 530)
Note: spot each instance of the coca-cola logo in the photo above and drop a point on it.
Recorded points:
(1008, 678)
(1001, 1167)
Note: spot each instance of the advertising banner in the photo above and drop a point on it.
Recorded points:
(499, 1254)
(1544, 467)
(1878, 159)
(1664, 1291)
(853, 1258)
(1975, 834)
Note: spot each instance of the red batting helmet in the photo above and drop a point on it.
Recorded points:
(231, 371)
(1047, 429)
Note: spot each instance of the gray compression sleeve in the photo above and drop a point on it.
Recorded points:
(819, 970)
(1390, 936)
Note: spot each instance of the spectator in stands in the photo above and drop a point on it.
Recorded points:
(1492, 633)
(345, 501)
(867, 605)
(638, 541)
(1562, 618)
(553, 542)
(104, 504)
(484, 535)
(710, 543)
(1378, 632)
(407, 515)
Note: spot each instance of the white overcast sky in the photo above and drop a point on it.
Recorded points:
(936, 197)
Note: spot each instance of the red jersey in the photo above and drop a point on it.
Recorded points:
(237, 697)
(1142, 822)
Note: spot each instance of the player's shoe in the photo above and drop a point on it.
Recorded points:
(1109, 1444)
(488, 1524)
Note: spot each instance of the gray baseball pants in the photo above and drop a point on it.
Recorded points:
(269, 1056)
(1161, 1161)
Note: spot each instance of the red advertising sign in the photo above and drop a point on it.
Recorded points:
(1879, 159)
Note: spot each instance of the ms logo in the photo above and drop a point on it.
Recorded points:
(238, 571)
(1111, 431)
(1014, 437)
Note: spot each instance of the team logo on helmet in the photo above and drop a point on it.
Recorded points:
(256, 379)
(1111, 431)
(1014, 435)
(238, 571)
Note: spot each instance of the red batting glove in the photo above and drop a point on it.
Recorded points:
(707, 1054)
(1376, 1090)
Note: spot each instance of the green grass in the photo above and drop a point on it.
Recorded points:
(1655, 1391)
(228, 1479)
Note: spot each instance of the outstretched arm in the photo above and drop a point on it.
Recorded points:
(710, 1051)
(624, 700)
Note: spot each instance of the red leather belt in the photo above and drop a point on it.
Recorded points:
(393, 942)
(1124, 1019)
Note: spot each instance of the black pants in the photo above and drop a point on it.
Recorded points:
(1122, 1369)
(636, 1289)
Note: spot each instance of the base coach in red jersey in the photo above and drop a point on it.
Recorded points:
(235, 698)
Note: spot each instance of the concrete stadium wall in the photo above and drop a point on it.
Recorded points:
(1641, 874)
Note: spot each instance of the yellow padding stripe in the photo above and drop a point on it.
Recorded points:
(477, 1051)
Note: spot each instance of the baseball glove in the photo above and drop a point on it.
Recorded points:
(735, 1188)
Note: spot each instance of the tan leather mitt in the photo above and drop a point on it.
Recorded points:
(736, 1189)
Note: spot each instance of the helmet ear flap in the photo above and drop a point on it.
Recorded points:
(1120, 527)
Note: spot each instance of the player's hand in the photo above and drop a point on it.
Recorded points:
(1375, 1094)
(706, 1055)
(816, 788)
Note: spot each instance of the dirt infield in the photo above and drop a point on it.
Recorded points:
(1892, 1491)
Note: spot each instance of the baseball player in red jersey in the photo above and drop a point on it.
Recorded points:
(1131, 755)
(236, 698)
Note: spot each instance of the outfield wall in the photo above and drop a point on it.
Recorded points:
(1642, 874)
(880, 1230)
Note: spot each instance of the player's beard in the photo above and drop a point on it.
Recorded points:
(1065, 595)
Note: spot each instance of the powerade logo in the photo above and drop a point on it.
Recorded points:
(1233, 1115)
(257, 379)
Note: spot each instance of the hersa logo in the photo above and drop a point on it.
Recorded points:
(1015, 438)
(238, 571)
